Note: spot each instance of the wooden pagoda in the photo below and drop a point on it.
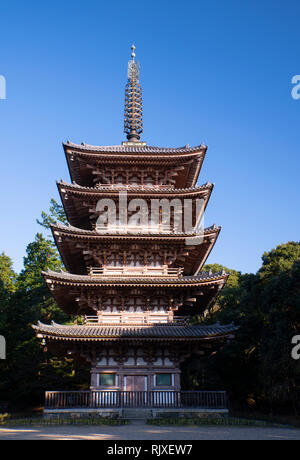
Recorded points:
(135, 287)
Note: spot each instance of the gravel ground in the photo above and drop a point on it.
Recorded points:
(147, 432)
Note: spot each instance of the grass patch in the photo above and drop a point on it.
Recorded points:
(8, 421)
(282, 420)
(202, 421)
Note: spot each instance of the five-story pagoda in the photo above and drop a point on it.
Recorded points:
(132, 273)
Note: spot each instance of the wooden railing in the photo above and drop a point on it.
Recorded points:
(119, 399)
(135, 318)
(144, 229)
(135, 271)
(138, 186)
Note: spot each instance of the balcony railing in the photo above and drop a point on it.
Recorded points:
(137, 186)
(120, 399)
(107, 271)
(134, 318)
(142, 229)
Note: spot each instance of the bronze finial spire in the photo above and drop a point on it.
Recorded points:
(133, 115)
(132, 53)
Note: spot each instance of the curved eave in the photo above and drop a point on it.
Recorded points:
(72, 292)
(67, 279)
(117, 150)
(67, 239)
(136, 155)
(126, 333)
(65, 187)
(73, 198)
(210, 247)
(78, 233)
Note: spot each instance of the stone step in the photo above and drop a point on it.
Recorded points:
(137, 413)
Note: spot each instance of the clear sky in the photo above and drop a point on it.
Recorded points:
(214, 72)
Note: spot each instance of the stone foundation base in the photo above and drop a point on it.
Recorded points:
(189, 413)
(82, 413)
(134, 413)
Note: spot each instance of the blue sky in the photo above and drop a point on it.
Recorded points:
(212, 72)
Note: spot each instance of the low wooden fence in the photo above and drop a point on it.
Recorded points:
(119, 399)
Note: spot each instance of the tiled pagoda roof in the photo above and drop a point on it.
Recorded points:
(213, 229)
(78, 156)
(68, 237)
(161, 332)
(138, 148)
(87, 280)
(147, 191)
(74, 196)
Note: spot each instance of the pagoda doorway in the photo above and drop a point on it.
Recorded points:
(135, 383)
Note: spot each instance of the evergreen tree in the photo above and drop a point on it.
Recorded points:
(266, 307)
(28, 370)
(278, 260)
(7, 288)
(56, 214)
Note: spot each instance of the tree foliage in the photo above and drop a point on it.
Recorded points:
(266, 307)
(7, 288)
(56, 214)
(29, 370)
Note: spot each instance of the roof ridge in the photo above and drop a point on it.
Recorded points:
(94, 232)
(137, 188)
(201, 276)
(161, 331)
(207, 326)
(126, 148)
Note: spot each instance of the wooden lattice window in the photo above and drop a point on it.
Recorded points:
(163, 379)
(107, 380)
